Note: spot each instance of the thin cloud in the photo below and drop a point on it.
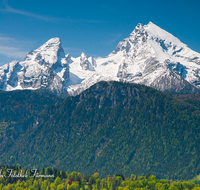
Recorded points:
(12, 52)
(9, 9)
(13, 48)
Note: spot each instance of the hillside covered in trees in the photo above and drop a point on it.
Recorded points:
(19, 110)
(113, 128)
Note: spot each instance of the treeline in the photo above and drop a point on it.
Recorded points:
(63, 180)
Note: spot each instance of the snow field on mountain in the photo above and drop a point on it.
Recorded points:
(149, 56)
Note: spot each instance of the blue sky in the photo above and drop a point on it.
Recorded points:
(90, 26)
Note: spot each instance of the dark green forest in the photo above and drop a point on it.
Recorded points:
(19, 110)
(111, 128)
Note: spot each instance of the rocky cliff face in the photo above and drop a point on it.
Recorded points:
(45, 68)
(149, 56)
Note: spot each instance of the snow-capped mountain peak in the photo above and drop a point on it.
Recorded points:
(85, 63)
(50, 53)
(149, 56)
(45, 68)
(158, 33)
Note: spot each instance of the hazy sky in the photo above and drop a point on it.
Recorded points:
(90, 26)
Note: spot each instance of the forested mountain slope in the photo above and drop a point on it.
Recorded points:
(19, 109)
(192, 99)
(111, 128)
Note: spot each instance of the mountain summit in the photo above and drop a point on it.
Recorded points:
(149, 56)
(45, 68)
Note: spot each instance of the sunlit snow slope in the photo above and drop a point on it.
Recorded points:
(149, 56)
(45, 68)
